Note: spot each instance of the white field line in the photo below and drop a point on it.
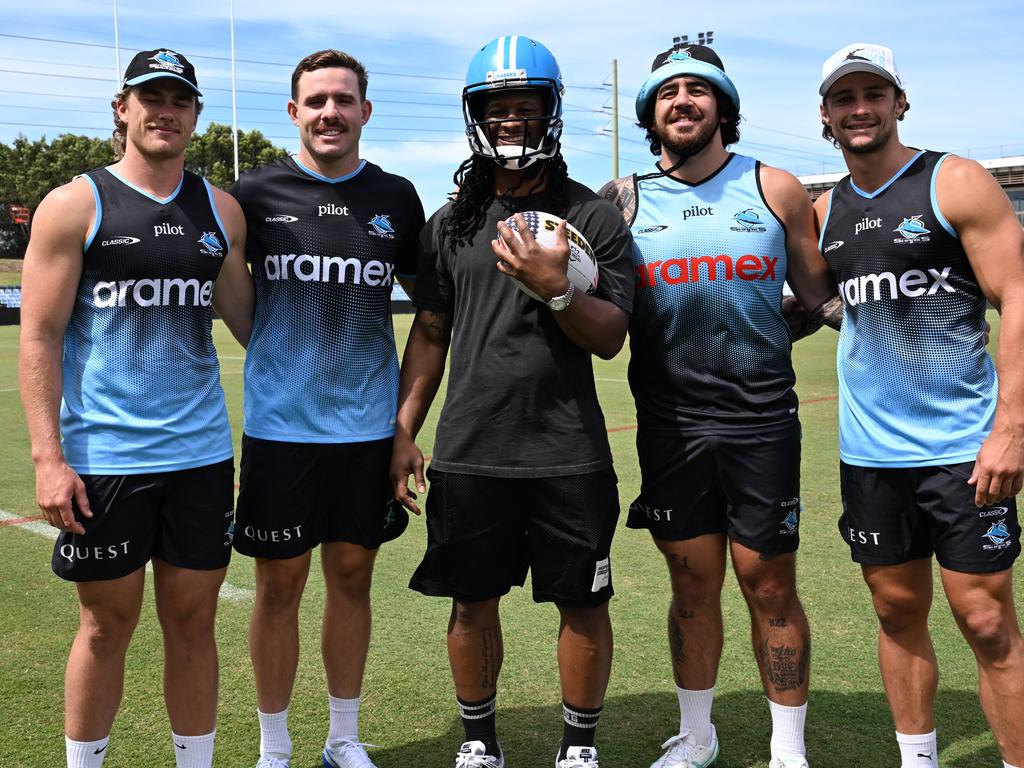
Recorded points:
(228, 592)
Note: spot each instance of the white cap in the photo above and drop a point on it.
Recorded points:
(859, 57)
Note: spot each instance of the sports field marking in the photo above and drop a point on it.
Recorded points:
(617, 381)
(12, 389)
(228, 592)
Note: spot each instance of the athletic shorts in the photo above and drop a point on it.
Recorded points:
(746, 485)
(294, 496)
(181, 517)
(894, 515)
(484, 533)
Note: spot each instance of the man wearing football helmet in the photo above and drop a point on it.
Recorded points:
(521, 476)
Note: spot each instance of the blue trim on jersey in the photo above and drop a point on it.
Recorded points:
(881, 189)
(935, 203)
(99, 212)
(315, 175)
(824, 224)
(216, 216)
(165, 201)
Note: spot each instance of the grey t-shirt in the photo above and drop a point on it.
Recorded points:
(521, 400)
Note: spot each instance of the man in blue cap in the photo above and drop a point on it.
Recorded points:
(718, 437)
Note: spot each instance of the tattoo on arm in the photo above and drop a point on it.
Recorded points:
(830, 312)
(622, 194)
(437, 327)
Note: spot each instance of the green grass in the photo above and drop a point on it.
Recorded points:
(408, 698)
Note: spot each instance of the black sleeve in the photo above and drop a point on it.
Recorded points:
(433, 283)
(408, 257)
(606, 231)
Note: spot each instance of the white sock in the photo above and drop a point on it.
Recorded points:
(695, 713)
(1007, 765)
(85, 754)
(918, 750)
(274, 738)
(193, 751)
(788, 730)
(344, 720)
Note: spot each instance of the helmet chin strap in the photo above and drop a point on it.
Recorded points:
(684, 155)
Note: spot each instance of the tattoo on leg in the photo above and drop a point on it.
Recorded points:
(491, 657)
(777, 621)
(785, 667)
(677, 646)
(681, 560)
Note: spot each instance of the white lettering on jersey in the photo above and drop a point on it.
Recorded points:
(912, 283)
(332, 209)
(327, 269)
(153, 293)
(168, 229)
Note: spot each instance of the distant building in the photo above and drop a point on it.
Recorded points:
(1008, 171)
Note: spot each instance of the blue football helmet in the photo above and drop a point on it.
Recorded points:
(510, 63)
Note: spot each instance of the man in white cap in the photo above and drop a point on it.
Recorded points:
(932, 449)
(711, 371)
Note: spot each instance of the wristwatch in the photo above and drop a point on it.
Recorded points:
(558, 303)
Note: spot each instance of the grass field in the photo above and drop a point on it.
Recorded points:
(408, 698)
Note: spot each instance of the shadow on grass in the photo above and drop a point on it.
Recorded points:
(842, 730)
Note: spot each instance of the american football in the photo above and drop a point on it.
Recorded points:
(582, 270)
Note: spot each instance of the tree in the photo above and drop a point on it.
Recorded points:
(30, 169)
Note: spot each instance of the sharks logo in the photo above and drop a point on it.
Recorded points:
(791, 521)
(681, 54)
(381, 226)
(852, 56)
(998, 534)
(749, 220)
(912, 229)
(211, 244)
(168, 60)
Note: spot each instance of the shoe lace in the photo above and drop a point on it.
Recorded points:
(681, 745)
(355, 752)
(463, 760)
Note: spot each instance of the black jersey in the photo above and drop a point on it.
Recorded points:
(916, 386)
(321, 364)
(521, 400)
(141, 377)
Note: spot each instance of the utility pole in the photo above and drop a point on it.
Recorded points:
(615, 118)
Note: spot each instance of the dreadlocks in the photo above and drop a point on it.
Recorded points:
(474, 180)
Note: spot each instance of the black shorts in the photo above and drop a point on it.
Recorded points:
(181, 517)
(746, 485)
(483, 533)
(294, 496)
(894, 515)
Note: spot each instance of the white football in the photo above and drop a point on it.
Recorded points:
(582, 270)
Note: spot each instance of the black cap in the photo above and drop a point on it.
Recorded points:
(150, 65)
(698, 52)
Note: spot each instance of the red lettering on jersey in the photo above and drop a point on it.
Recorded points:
(681, 271)
(691, 270)
(748, 267)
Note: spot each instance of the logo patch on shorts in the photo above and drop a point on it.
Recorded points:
(791, 522)
(998, 534)
(602, 574)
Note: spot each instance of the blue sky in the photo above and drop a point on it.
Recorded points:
(962, 63)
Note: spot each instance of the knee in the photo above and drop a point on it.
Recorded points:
(351, 577)
(280, 593)
(773, 593)
(691, 587)
(900, 611)
(108, 634)
(467, 616)
(988, 632)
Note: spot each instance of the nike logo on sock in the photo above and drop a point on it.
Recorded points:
(179, 746)
(100, 749)
(928, 755)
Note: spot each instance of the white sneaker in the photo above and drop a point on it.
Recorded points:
(473, 754)
(789, 761)
(578, 757)
(683, 751)
(347, 754)
(272, 762)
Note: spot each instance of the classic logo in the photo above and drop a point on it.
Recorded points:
(121, 240)
(993, 512)
(998, 534)
(281, 218)
(381, 226)
(912, 230)
(833, 245)
(211, 244)
(749, 220)
(651, 229)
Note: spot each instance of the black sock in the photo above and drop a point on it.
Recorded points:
(579, 727)
(478, 721)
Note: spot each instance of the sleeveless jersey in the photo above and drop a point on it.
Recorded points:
(141, 377)
(710, 349)
(916, 385)
(321, 365)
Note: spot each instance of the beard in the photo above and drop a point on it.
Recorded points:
(882, 136)
(692, 145)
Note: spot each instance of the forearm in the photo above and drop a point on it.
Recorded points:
(40, 378)
(829, 312)
(593, 324)
(1010, 368)
(422, 371)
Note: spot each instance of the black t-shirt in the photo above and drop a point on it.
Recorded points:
(521, 400)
